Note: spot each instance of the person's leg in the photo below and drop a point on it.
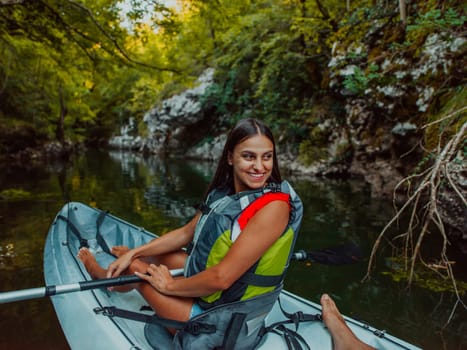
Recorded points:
(165, 306)
(174, 260)
(342, 336)
(97, 272)
(176, 308)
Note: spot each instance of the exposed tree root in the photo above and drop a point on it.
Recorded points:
(423, 192)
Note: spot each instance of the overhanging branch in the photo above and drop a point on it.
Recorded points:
(115, 42)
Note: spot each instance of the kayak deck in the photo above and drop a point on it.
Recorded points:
(84, 328)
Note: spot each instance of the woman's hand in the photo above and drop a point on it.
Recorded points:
(158, 276)
(120, 265)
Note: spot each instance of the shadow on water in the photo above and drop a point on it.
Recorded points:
(160, 195)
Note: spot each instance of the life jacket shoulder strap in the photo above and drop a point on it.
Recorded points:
(260, 203)
(82, 242)
(262, 280)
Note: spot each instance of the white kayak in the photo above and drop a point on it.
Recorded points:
(86, 328)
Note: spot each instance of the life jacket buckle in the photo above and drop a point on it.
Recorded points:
(105, 311)
(204, 208)
(274, 187)
(193, 328)
(196, 328)
(379, 334)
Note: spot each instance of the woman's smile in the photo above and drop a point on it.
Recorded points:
(252, 162)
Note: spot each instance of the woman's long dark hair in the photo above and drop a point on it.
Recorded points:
(244, 129)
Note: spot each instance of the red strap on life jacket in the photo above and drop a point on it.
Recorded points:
(259, 203)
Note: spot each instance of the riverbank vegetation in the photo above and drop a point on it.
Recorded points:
(317, 71)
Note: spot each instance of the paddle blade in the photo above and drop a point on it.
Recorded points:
(348, 253)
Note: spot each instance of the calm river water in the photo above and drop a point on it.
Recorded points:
(159, 195)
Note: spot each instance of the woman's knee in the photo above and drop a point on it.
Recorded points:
(175, 260)
(137, 265)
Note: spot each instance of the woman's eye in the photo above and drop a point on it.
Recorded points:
(248, 156)
(267, 157)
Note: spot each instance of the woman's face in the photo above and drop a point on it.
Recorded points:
(252, 162)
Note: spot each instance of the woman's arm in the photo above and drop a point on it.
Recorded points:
(169, 242)
(263, 229)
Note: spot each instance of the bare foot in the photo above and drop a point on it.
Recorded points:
(96, 271)
(342, 336)
(90, 263)
(119, 250)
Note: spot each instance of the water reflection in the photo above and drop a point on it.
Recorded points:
(7, 255)
(160, 195)
(166, 186)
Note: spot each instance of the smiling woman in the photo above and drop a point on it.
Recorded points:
(158, 195)
(241, 239)
(249, 155)
(252, 162)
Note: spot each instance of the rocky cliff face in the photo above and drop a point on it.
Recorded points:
(381, 153)
(175, 125)
(385, 95)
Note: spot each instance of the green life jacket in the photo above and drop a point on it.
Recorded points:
(223, 217)
(235, 319)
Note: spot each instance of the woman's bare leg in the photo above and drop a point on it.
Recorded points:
(176, 308)
(119, 250)
(173, 260)
(342, 336)
(166, 306)
(96, 271)
(90, 263)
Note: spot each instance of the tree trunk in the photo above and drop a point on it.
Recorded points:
(403, 11)
(60, 131)
(325, 14)
(302, 36)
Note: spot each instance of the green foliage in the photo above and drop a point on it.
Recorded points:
(315, 146)
(310, 152)
(451, 102)
(359, 22)
(75, 59)
(424, 277)
(435, 18)
(423, 163)
(14, 194)
(269, 64)
(359, 81)
(221, 96)
(66, 67)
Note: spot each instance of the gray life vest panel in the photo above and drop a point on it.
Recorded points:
(218, 228)
(238, 326)
(229, 323)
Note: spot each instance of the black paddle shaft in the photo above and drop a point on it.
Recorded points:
(348, 253)
(46, 291)
(109, 282)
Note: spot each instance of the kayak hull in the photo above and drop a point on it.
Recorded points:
(84, 327)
